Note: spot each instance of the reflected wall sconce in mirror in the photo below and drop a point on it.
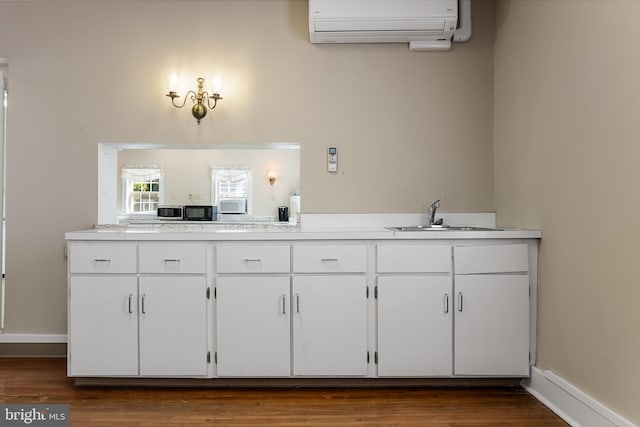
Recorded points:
(272, 177)
(201, 99)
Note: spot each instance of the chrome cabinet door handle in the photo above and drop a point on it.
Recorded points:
(284, 304)
(143, 308)
(130, 298)
(459, 301)
(446, 303)
(297, 303)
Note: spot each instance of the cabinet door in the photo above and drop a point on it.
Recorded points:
(103, 326)
(415, 326)
(173, 325)
(329, 325)
(253, 326)
(492, 325)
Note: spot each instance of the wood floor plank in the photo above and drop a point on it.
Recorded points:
(30, 381)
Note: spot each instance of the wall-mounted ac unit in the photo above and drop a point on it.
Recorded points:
(420, 22)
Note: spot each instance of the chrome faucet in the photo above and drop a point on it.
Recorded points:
(431, 214)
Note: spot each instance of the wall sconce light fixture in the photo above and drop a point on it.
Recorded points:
(272, 177)
(201, 100)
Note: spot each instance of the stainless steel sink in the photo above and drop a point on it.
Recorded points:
(441, 228)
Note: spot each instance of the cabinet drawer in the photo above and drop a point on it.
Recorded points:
(329, 259)
(253, 259)
(172, 259)
(408, 258)
(491, 259)
(102, 258)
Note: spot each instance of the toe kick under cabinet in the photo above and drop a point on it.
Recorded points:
(429, 308)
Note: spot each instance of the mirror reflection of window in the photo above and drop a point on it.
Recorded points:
(231, 189)
(187, 176)
(142, 189)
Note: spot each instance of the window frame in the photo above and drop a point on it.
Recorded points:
(127, 193)
(217, 174)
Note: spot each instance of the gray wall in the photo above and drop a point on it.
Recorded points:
(566, 161)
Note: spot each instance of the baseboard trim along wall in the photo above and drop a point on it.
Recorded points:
(33, 338)
(570, 403)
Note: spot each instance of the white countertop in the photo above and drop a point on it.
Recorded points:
(337, 227)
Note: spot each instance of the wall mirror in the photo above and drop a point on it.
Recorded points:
(134, 179)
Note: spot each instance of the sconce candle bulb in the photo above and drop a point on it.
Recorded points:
(272, 177)
(201, 100)
(173, 82)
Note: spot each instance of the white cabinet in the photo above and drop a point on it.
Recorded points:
(253, 326)
(253, 304)
(315, 308)
(413, 258)
(491, 310)
(330, 258)
(492, 325)
(263, 319)
(415, 328)
(329, 325)
(173, 326)
(330, 314)
(124, 323)
(474, 325)
(103, 326)
(89, 258)
(173, 259)
(253, 259)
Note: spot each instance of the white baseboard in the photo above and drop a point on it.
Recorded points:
(33, 338)
(570, 403)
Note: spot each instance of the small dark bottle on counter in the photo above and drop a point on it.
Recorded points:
(283, 213)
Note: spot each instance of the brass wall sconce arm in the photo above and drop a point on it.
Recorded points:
(201, 100)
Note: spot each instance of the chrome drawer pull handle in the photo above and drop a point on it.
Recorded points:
(101, 260)
(172, 260)
(252, 260)
(329, 259)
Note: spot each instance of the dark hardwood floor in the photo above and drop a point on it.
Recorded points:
(35, 381)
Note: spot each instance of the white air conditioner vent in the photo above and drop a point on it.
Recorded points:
(386, 21)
